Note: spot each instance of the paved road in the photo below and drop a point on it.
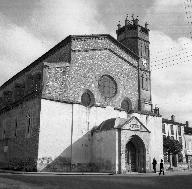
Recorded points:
(144, 181)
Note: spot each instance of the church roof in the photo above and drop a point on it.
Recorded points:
(172, 122)
(111, 124)
(106, 125)
(62, 44)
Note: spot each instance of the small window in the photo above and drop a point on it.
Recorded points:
(146, 83)
(180, 140)
(172, 131)
(4, 130)
(37, 83)
(142, 81)
(29, 84)
(163, 129)
(4, 134)
(15, 133)
(141, 50)
(1, 103)
(28, 132)
(179, 130)
(19, 91)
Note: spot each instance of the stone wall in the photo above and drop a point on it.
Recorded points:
(90, 59)
(19, 100)
(22, 146)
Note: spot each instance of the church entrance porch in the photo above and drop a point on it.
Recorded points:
(135, 155)
(134, 147)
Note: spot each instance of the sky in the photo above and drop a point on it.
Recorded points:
(29, 28)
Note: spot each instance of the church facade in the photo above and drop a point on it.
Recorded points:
(85, 105)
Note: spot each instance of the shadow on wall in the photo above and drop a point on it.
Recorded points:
(81, 158)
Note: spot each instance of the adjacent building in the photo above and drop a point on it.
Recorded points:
(175, 130)
(188, 145)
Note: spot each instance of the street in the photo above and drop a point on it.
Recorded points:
(49, 181)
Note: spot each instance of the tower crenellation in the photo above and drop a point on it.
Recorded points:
(132, 34)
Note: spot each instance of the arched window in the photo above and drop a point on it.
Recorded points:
(87, 99)
(145, 82)
(142, 81)
(126, 105)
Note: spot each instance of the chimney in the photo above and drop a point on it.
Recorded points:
(187, 123)
(173, 118)
(156, 111)
(146, 25)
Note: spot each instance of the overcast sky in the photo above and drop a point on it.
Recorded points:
(28, 28)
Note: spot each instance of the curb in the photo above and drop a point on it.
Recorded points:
(52, 173)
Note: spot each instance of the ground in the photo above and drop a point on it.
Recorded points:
(49, 181)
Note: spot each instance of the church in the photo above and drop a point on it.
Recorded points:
(85, 105)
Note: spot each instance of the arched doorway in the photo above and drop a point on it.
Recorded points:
(136, 154)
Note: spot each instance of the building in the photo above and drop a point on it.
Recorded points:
(85, 105)
(175, 130)
(188, 144)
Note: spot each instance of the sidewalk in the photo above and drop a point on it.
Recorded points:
(186, 172)
(169, 173)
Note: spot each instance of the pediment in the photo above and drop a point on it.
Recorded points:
(134, 124)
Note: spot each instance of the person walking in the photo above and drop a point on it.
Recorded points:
(161, 167)
(154, 164)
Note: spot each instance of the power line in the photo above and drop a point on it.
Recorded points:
(163, 66)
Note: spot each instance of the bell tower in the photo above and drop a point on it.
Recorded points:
(136, 38)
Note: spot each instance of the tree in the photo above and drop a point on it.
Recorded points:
(171, 146)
